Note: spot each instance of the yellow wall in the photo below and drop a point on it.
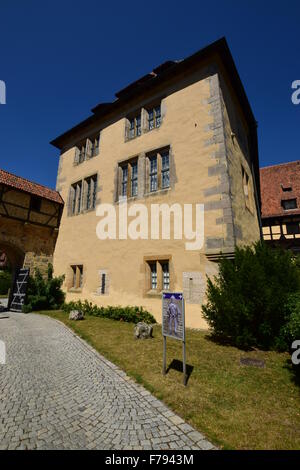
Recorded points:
(188, 128)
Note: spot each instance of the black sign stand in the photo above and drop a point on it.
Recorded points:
(19, 290)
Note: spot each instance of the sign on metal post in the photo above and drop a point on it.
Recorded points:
(173, 324)
(19, 290)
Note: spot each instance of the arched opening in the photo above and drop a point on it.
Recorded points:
(15, 256)
(11, 259)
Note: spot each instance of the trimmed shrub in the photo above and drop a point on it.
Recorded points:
(5, 282)
(291, 330)
(247, 300)
(127, 314)
(44, 294)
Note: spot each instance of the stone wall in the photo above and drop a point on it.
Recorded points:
(26, 244)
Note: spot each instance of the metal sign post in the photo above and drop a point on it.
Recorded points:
(19, 290)
(173, 325)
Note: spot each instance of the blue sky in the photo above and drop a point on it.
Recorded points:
(61, 58)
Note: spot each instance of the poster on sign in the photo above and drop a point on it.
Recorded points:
(173, 315)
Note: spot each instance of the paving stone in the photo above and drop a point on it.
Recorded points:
(58, 393)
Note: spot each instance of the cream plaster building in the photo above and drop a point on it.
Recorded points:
(185, 134)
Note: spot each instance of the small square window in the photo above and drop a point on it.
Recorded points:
(286, 187)
(35, 203)
(159, 273)
(289, 204)
(292, 228)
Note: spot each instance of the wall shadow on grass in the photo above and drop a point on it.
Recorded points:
(225, 341)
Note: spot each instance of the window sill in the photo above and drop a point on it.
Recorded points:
(158, 191)
(85, 160)
(122, 199)
(75, 290)
(145, 131)
(129, 139)
(156, 293)
(85, 211)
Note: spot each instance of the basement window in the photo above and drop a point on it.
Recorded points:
(159, 275)
(77, 276)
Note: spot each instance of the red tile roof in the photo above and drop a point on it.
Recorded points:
(29, 187)
(273, 180)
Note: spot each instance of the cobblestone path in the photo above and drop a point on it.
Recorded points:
(56, 392)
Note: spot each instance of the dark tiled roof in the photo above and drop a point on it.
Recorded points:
(29, 187)
(159, 75)
(273, 181)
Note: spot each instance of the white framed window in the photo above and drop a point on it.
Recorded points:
(153, 268)
(159, 274)
(134, 178)
(91, 192)
(154, 117)
(129, 178)
(153, 173)
(159, 170)
(83, 199)
(135, 128)
(87, 150)
(166, 275)
(165, 169)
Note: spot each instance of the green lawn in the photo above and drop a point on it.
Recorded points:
(237, 407)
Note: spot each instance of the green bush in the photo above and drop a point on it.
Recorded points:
(247, 300)
(5, 282)
(44, 294)
(127, 314)
(291, 329)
